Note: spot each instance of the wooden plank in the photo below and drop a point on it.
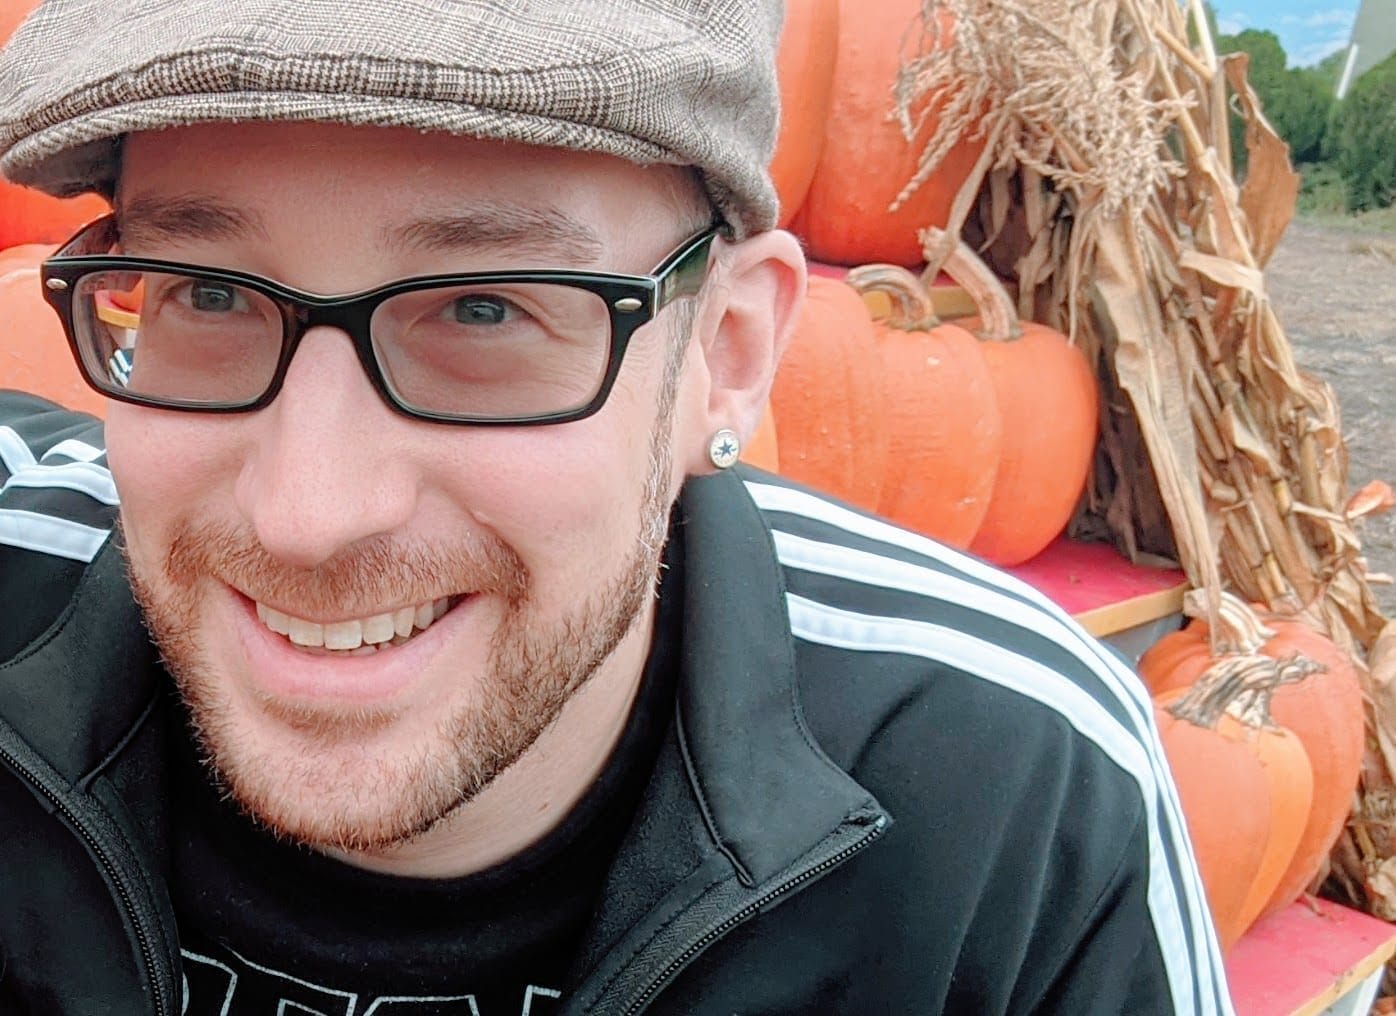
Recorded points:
(1101, 588)
(1305, 958)
(1139, 610)
(950, 300)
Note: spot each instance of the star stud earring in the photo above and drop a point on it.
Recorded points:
(724, 448)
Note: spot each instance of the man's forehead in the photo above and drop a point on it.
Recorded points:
(151, 219)
(396, 190)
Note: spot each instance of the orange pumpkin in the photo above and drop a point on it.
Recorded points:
(1245, 783)
(866, 160)
(27, 215)
(1324, 711)
(1225, 798)
(1048, 399)
(805, 70)
(30, 216)
(827, 397)
(762, 449)
(26, 255)
(944, 430)
(34, 354)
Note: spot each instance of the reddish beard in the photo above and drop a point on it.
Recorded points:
(534, 667)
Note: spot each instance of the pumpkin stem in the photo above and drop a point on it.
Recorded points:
(1241, 686)
(912, 310)
(1252, 706)
(1213, 694)
(1235, 630)
(997, 316)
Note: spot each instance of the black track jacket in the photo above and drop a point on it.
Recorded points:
(896, 781)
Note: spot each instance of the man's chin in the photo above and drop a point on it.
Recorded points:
(333, 780)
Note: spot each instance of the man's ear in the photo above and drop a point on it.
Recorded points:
(749, 309)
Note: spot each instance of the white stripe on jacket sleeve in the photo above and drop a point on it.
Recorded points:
(48, 530)
(49, 535)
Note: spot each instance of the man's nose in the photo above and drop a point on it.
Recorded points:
(330, 464)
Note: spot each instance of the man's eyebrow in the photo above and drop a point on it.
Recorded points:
(147, 221)
(503, 229)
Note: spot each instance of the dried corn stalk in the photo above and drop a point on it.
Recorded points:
(1106, 192)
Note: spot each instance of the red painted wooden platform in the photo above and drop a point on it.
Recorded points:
(1303, 959)
(1101, 588)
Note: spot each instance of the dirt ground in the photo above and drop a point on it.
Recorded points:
(1334, 288)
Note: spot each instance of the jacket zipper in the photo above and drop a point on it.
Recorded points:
(805, 875)
(127, 898)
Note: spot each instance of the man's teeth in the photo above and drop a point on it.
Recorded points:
(396, 625)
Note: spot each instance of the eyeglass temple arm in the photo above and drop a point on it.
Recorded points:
(97, 237)
(684, 273)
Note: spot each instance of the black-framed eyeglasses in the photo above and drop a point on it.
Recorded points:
(507, 347)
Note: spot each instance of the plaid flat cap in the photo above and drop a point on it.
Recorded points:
(684, 82)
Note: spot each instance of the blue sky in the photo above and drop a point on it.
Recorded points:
(1308, 29)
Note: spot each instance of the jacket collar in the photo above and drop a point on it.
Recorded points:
(741, 792)
(83, 688)
(768, 790)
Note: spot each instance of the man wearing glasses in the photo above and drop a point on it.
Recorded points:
(481, 683)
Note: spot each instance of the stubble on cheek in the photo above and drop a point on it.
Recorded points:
(347, 780)
(289, 780)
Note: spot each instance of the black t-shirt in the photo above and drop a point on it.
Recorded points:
(269, 927)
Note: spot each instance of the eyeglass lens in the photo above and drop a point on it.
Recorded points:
(479, 350)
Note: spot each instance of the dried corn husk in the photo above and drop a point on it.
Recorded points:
(1106, 193)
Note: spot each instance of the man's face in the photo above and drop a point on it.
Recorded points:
(540, 544)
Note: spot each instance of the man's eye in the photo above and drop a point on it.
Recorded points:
(483, 310)
(213, 296)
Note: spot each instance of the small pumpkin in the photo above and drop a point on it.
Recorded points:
(1324, 710)
(1048, 399)
(1245, 783)
(1225, 800)
(827, 397)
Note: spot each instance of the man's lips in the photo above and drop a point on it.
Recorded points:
(278, 669)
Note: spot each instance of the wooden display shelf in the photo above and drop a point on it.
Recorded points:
(1102, 589)
(1313, 957)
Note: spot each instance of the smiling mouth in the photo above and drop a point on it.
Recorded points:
(357, 636)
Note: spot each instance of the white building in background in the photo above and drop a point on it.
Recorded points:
(1373, 40)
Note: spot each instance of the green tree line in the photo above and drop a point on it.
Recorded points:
(1352, 140)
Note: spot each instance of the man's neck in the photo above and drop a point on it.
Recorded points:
(533, 795)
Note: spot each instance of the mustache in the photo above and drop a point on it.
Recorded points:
(372, 574)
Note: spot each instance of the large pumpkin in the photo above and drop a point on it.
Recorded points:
(27, 215)
(34, 354)
(865, 160)
(944, 431)
(1048, 400)
(805, 69)
(1324, 710)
